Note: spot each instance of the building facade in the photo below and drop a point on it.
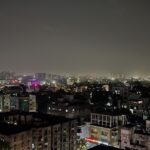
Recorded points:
(132, 139)
(105, 128)
(33, 131)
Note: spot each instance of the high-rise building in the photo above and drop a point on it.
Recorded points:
(33, 131)
(9, 102)
(15, 137)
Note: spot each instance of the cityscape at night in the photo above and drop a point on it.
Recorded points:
(74, 75)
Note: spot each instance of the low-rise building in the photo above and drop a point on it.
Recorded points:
(105, 127)
(10, 102)
(138, 106)
(32, 103)
(69, 110)
(134, 139)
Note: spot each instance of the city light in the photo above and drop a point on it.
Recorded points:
(74, 75)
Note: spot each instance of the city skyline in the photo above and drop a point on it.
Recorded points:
(75, 37)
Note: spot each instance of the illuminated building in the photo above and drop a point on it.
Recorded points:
(70, 109)
(8, 102)
(14, 103)
(106, 87)
(24, 103)
(105, 127)
(4, 82)
(57, 135)
(133, 138)
(118, 76)
(120, 89)
(35, 85)
(1, 103)
(32, 103)
(138, 106)
(148, 125)
(5, 103)
(83, 130)
(14, 137)
(33, 131)
(71, 80)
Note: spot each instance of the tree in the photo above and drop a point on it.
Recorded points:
(81, 145)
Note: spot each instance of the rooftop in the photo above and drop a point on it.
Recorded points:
(114, 112)
(9, 129)
(47, 117)
(128, 126)
(38, 120)
(48, 120)
(142, 132)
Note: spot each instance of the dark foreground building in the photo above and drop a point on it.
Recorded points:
(33, 131)
(103, 147)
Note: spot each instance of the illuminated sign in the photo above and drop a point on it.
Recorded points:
(88, 139)
(92, 140)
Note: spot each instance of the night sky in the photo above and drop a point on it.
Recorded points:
(75, 36)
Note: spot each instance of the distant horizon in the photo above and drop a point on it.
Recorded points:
(108, 74)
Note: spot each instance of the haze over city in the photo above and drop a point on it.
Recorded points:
(74, 75)
(75, 37)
